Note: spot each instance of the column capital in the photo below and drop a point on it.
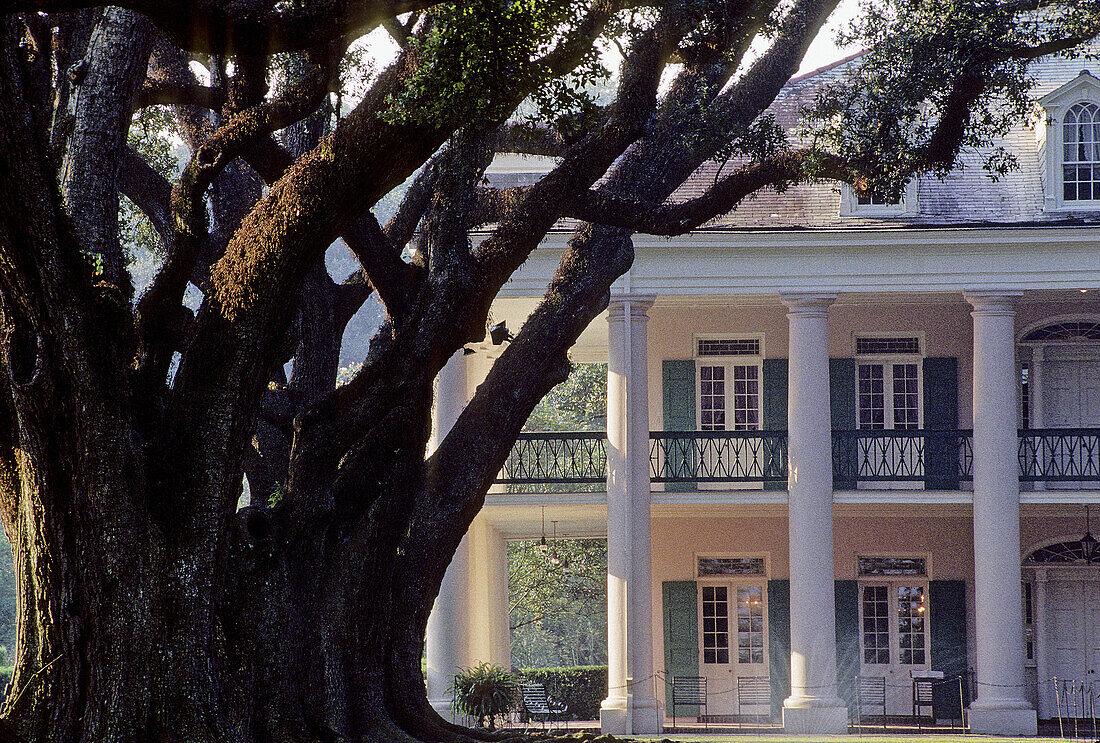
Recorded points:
(639, 305)
(807, 303)
(992, 302)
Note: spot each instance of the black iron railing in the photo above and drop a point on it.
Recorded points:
(939, 458)
(1059, 455)
(570, 458)
(718, 456)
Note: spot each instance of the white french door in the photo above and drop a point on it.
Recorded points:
(729, 400)
(1073, 637)
(733, 641)
(1071, 399)
(888, 397)
(893, 618)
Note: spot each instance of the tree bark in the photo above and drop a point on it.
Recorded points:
(113, 70)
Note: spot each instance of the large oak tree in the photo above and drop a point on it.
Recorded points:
(151, 608)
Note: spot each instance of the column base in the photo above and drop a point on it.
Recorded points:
(647, 718)
(815, 720)
(1003, 721)
(615, 716)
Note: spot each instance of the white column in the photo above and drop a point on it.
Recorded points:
(1040, 639)
(630, 706)
(813, 707)
(1001, 707)
(489, 640)
(446, 637)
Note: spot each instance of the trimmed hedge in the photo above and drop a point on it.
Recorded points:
(579, 688)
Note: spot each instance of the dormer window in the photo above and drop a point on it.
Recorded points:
(875, 204)
(874, 199)
(1067, 132)
(1081, 153)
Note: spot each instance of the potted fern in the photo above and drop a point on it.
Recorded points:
(484, 693)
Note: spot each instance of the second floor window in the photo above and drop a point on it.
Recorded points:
(728, 372)
(888, 395)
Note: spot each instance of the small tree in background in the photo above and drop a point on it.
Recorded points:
(558, 591)
(577, 404)
(558, 602)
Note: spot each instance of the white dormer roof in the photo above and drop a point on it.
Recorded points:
(1085, 86)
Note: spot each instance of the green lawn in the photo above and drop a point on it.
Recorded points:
(779, 738)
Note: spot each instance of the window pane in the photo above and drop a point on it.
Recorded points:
(906, 410)
(1081, 153)
(750, 624)
(876, 634)
(715, 624)
(911, 624)
(872, 396)
(746, 398)
(712, 398)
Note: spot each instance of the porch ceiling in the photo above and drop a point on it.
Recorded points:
(515, 519)
(592, 344)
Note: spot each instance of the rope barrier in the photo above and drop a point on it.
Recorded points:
(1075, 701)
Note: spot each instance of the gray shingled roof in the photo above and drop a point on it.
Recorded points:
(966, 196)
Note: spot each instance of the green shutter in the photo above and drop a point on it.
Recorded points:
(941, 413)
(947, 630)
(847, 637)
(842, 401)
(779, 642)
(678, 393)
(681, 636)
(774, 418)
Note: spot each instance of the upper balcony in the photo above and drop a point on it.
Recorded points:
(914, 459)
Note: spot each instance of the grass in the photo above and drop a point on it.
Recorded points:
(853, 738)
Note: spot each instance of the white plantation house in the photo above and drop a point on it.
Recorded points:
(846, 440)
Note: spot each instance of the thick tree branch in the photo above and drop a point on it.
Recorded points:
(395, 280)
(149, 190)
(400, 33)
(564, 57)
(527, 140)
(268, 158)
(164, 93)
(445, 237)
(943, 146)
(37, 60)
(247, 26)
(757, 88)
(1051, 46)
(492, 204)
(350, 296)
(155, 309)
(116, 61)
(169, 68)
(606, 208)
(518, 233)
(69, 43)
